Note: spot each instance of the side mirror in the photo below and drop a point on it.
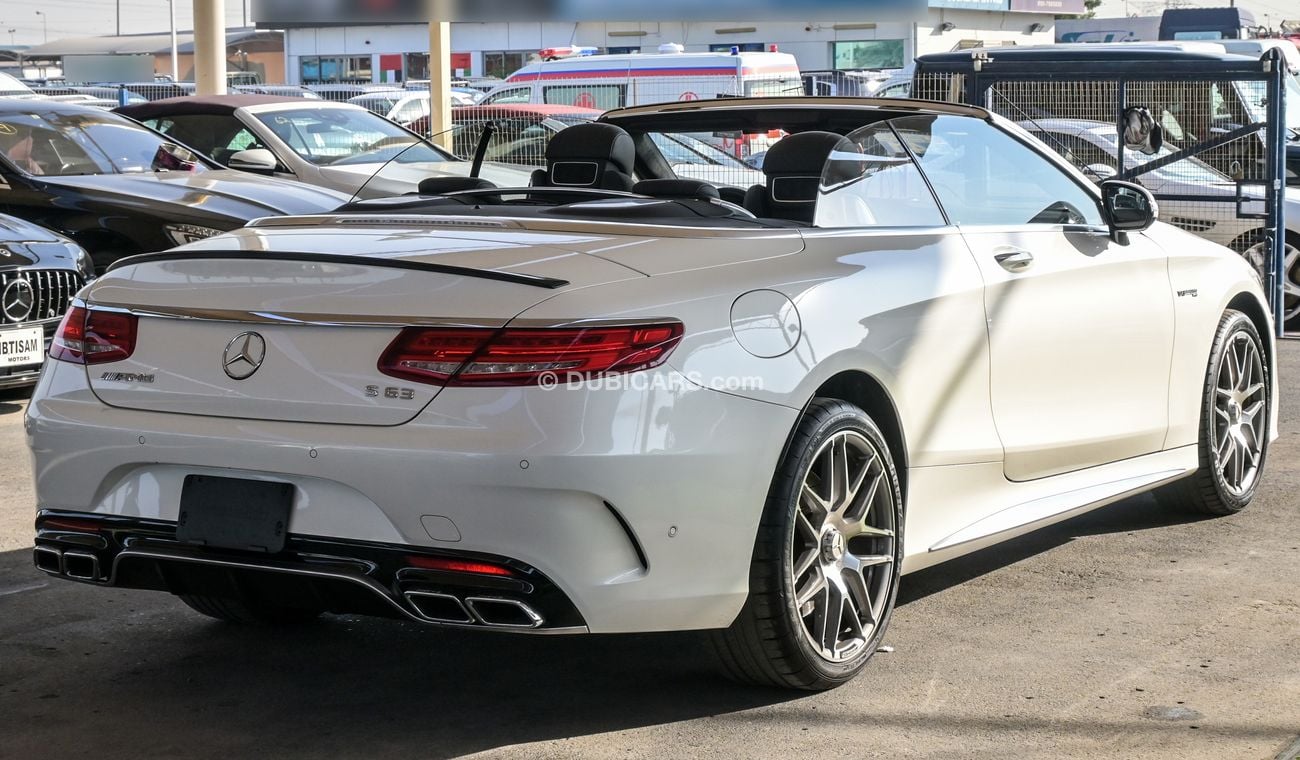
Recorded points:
(258, 160)
(1128, 207)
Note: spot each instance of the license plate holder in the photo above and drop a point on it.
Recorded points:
(234, 513)
(22, 347)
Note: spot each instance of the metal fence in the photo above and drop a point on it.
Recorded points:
(1219, 170)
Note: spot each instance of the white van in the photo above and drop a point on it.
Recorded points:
(605, 82)
(1257, 49)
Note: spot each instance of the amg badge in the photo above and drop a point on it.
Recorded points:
(125, 377)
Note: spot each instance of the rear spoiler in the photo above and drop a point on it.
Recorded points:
(331, 258)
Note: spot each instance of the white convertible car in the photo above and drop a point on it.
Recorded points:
(603, 405)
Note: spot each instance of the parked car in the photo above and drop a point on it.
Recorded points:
(280, 90)
(571, 409)
(341, 93)
(117, 188)
(338, 146)
(40, 272)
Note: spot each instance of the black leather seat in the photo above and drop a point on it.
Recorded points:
(794, 169)
(592, 156)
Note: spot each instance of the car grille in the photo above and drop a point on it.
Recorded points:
(53, 290)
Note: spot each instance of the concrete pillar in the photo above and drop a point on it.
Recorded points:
(210, 47)
(440, 81)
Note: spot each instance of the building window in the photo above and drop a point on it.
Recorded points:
(417, 65)
(745, 47)
(331, 70)
(868, 54)
(503, 63)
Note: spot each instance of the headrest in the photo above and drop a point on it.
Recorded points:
(804, 153)
(677, 188)
(593, 142)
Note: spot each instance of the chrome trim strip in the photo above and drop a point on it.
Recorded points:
(371, 585)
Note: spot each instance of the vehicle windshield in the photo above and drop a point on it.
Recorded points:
(1255, 96)
(378, 104)
(341, 137)
(88, 142)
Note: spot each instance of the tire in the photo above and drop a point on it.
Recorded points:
(247, 611)
(1234, 423)
(777, 640)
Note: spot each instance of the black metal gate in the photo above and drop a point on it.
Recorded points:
(1205, 133)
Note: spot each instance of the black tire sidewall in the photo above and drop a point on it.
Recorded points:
(1232, 324)
(785, 494)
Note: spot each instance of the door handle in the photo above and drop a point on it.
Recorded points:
(1015, 260)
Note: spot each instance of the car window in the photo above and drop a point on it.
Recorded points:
(599, 96)
(871, 181)
(218, 136)
(506, 97)
(984, 176)
(342, 136)
(72, 143)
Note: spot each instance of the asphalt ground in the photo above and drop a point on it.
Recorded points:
(1130, 632)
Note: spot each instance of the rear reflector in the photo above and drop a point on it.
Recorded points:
(459, 566)
(522, 356)
(61, 523)
(89, 336)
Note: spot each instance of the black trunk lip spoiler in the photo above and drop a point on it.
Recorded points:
(537, 281)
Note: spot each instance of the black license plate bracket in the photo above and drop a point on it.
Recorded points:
(235, 513)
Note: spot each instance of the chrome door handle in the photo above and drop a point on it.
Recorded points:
(1015, 260)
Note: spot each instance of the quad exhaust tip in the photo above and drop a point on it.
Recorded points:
(489, 611)
(79, 566)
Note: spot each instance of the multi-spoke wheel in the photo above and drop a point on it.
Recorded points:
(1291, 298)
(1234, 424)
(826, 562)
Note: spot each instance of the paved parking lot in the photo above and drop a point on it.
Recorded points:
(1130, 632)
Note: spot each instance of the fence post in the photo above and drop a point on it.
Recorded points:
(122, 97)
(1274, 194)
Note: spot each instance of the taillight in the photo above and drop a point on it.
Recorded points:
(89, 336)
(459, 566)
(522, 356)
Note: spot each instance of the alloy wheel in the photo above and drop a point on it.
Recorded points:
(843, 546)
(1240, 415)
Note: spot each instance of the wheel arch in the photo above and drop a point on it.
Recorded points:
(866, 392)
(1246, 303)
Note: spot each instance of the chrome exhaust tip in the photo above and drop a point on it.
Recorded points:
(48, 559)
(503, 613)
(439, 608)
(81, 566)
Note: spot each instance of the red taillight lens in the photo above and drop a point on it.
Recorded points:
(87, 336)
(521, 356)
(459, 566)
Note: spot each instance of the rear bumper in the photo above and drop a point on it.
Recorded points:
(345, 577)
(640, 506)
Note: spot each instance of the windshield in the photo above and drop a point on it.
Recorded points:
(339, 137)
(376, 103)
(68, 144)
(11, 86)
(1255, 96)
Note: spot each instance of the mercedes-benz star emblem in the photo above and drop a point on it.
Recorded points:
(18, 300)
(244, 355)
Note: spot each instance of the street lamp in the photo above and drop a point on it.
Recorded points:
(45, 24)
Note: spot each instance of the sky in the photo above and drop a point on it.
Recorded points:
(82, 18)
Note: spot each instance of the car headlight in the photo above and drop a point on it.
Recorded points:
(84, 264)
(189, 233)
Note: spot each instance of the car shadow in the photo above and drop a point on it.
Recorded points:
(347, 680)
(11, 401)
(1135, 514)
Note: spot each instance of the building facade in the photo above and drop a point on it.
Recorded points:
(395, 53)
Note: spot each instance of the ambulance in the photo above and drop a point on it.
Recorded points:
(605, 82)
